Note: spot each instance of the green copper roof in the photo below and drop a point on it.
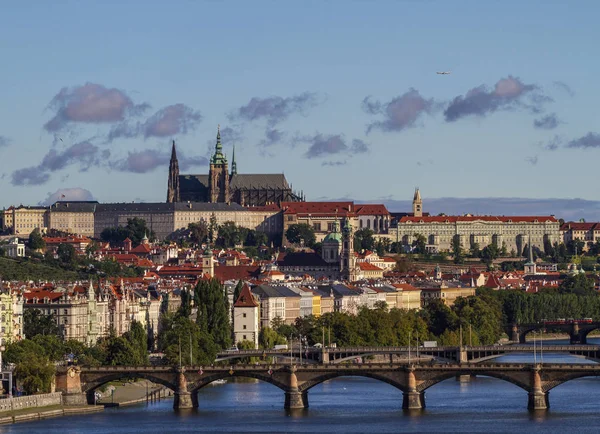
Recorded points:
(218, 157)
(334, 236)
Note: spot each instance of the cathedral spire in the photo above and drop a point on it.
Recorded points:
(173, 194)
(173, 152)
(233, 163)
(218, 157)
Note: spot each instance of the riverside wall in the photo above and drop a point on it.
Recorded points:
(30, 401)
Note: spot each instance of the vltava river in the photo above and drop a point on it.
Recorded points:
(354, 405)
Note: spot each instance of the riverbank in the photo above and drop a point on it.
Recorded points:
(119, 393)
(38, 413)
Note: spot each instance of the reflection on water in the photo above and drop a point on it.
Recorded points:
(346, 405)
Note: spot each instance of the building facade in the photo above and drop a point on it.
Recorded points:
(512, 232)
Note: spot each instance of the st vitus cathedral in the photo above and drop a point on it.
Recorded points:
(221, 186)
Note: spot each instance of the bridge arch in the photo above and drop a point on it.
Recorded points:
(548, 385)
(91, 382)
(307, 385)
(205, 381)
(438, 378)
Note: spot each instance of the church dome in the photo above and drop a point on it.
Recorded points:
(333, 237)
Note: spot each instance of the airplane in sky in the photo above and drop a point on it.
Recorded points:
(443, 72)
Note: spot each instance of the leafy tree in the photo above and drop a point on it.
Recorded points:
(577, 284)
(35, 375)
(213, 311)
(238, 290)
(475, 250)
(457, 250)
(301, 233)
(92, 248)
(419, 244)
(136, 229)
(213, 227)
(182, 339)
(66, 254)
(36, 323)
(137, 336)
(36, 242)
(439, 317)
(256, 238)
(198, 232)
(364, 240)
(268, 338)
(229, 235)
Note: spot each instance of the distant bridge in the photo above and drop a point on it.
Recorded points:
(463, 354)
(79, 383)
(578, 331)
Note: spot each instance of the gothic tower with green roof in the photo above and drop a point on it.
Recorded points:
(218, 174)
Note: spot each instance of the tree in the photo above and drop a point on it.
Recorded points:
(238, 290)
(137, 336)
(36, 323)
(475, 250)
(213, 227)
(577, 284)
(213, 311)
(198, 232)
(256, 238)
(457, 250)
(36, 242)
(229, 235)
(419, 244)
(301, 233)
(364, 240)
(182, 339)
(135, 230)
(66, 254)
(268, 338)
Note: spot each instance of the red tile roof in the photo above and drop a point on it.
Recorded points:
(372, 210)
(246, 299)
(367, 266)
(340, 209)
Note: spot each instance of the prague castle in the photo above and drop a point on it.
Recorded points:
(221, 186)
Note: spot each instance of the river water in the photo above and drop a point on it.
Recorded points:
(355, 405)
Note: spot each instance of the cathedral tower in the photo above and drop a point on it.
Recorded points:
(173, 194)
(417, 204)
(218, 176)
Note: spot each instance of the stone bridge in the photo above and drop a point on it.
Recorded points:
(405, 354)
(79, 383)
(577, 331)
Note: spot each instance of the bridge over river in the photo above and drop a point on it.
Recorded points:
(405, 354)
(79, 383)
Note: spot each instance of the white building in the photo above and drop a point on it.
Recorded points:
(245, 317)
(15, 249)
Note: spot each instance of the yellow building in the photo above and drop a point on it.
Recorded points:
(28, 218)
(73, 217)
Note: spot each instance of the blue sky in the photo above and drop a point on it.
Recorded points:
(341, 96)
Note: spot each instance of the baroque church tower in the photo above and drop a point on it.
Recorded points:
(173, 194)
(218, 176)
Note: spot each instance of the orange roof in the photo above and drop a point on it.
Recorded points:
(340, 209)
(372, 210)
(367, 266)
(246, 299)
